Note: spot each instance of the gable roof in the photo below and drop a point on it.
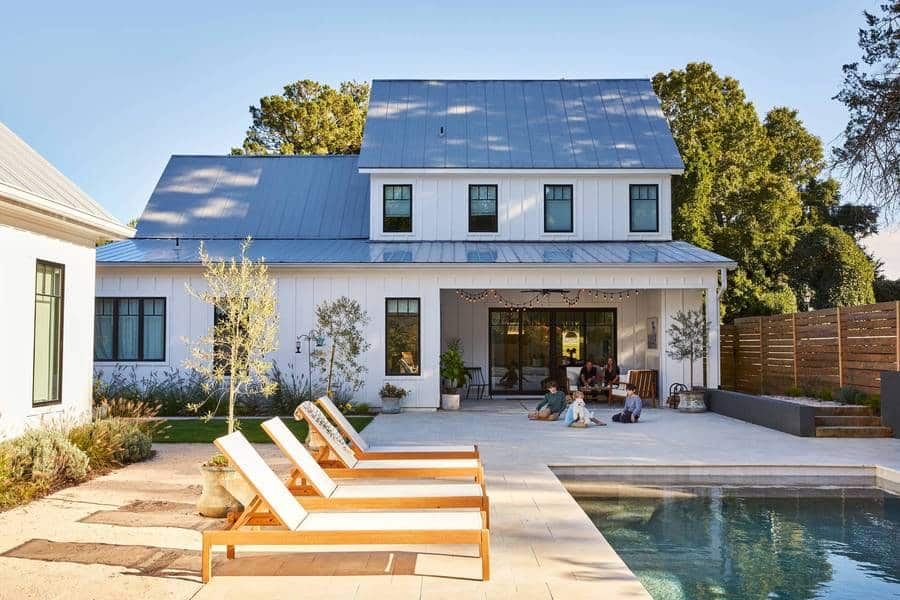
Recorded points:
(269, 197)
(517, 124)
(30, 182)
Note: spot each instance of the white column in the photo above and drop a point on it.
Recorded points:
(713, 354)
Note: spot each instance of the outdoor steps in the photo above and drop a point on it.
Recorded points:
(849, 422)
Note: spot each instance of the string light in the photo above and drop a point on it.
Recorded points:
(569, 298)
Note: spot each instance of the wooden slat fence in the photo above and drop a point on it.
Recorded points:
(834, 347)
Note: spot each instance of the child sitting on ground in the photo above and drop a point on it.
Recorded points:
(549, 408)
(631, 412)
(578, 415)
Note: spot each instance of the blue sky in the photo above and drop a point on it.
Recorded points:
(108, 91)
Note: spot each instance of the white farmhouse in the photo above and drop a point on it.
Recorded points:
(48, 228)
(529, 219)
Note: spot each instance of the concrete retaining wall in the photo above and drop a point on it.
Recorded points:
(789, 417)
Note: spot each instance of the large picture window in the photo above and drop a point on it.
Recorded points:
(401, 326)
(483, 209)
(398, 209)
(644, 208)
(558, 209)
(130, 329)
(48, 331)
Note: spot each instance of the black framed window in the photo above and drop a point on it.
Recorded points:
(402, 328)
(643, 208)
(132, 329)
(558, 214)
(482, 208)
(49, 292)
(398, 208)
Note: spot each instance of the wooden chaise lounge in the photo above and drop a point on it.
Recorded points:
(317, 491)
(286, 522)
(364, 451)
(347, 465)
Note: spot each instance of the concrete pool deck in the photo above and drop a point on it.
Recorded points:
(134, 533)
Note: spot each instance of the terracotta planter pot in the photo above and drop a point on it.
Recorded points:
(215, 501)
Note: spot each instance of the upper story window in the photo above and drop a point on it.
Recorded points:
(482, 209)
(132, 329)
(558, 209)
(48, 331)
(398, 208)
(644, 208)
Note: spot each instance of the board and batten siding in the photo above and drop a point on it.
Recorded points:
(301, 289)
(441, 207)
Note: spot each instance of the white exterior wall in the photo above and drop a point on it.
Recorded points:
(300, 289)
(441, 206)
(20, 250)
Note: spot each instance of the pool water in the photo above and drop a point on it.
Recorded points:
(742, 543)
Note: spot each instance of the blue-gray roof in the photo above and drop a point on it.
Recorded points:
(312, 252)
(495, 124)
(263, 196)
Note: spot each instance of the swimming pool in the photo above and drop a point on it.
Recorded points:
(712, 542)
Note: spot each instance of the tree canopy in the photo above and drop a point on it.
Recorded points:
(870, 154)
(308, 117)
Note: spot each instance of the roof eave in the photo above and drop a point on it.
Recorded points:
(675, 265)
(517, 171)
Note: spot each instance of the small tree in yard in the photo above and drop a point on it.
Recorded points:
(231, 356)
(341, 321)
(688, 337)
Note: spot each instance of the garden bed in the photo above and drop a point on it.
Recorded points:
(196, 431)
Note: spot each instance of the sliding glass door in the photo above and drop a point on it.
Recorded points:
(528, 347)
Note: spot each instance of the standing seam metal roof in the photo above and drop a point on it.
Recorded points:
(517, 124)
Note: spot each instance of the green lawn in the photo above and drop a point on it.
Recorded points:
(195, 431)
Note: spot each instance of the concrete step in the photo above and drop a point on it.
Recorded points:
(845, 411)
(852, 421)
(854, 432)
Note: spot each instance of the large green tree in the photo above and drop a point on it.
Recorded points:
(308, 117)
(729, 199)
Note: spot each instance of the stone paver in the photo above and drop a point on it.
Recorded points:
(133, 533)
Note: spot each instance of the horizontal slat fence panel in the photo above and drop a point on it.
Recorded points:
(832, 347)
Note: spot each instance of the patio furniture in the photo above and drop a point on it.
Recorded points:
(346, 465)
(363, 450)
(643, 379)
(288, 522)
(318, 491)
(475, 379)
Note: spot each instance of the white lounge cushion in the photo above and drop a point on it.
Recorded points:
(317, 420)
(419, 463)
(300, 456)
(423, 449)
(343, 423)
(407, 490)
(392, 521)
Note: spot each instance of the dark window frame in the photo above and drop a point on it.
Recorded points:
(387, 361)
(631, 228)
(62, 329)
(496, 228)
(115, 316)
(384, 217)
(571, 187)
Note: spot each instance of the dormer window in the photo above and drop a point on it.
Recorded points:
(644, 208)
(482, 209)
(398, 208)
(558, 209)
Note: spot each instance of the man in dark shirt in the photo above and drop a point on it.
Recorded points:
(589, 376)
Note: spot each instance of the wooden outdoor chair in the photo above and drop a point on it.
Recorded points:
(475, 381)
(287, 522)
(365, 451)
(318, 491)
(346, 465)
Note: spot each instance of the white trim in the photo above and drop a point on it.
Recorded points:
(547, 172)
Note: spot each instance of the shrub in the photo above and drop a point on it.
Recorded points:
(851, 395)
(15, 491)
(101, 441)
(136, 446)
(171, 390)
(46, 457)
(291, 390)
(793, 391)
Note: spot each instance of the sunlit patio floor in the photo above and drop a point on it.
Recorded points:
(135, 533)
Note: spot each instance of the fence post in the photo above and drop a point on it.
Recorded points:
(794, 336)
(840, 350)
(762, 357)
(897, 319)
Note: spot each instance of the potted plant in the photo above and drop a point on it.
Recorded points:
(688, 341)
(391, 396)
(453, 372)
(230, 357)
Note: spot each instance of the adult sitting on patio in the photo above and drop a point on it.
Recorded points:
(631, 412)
(549, 408)
(589, 376)
(611, 372)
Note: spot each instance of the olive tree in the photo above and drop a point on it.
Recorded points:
(341, 322)
(231, 355)
(688, 337)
